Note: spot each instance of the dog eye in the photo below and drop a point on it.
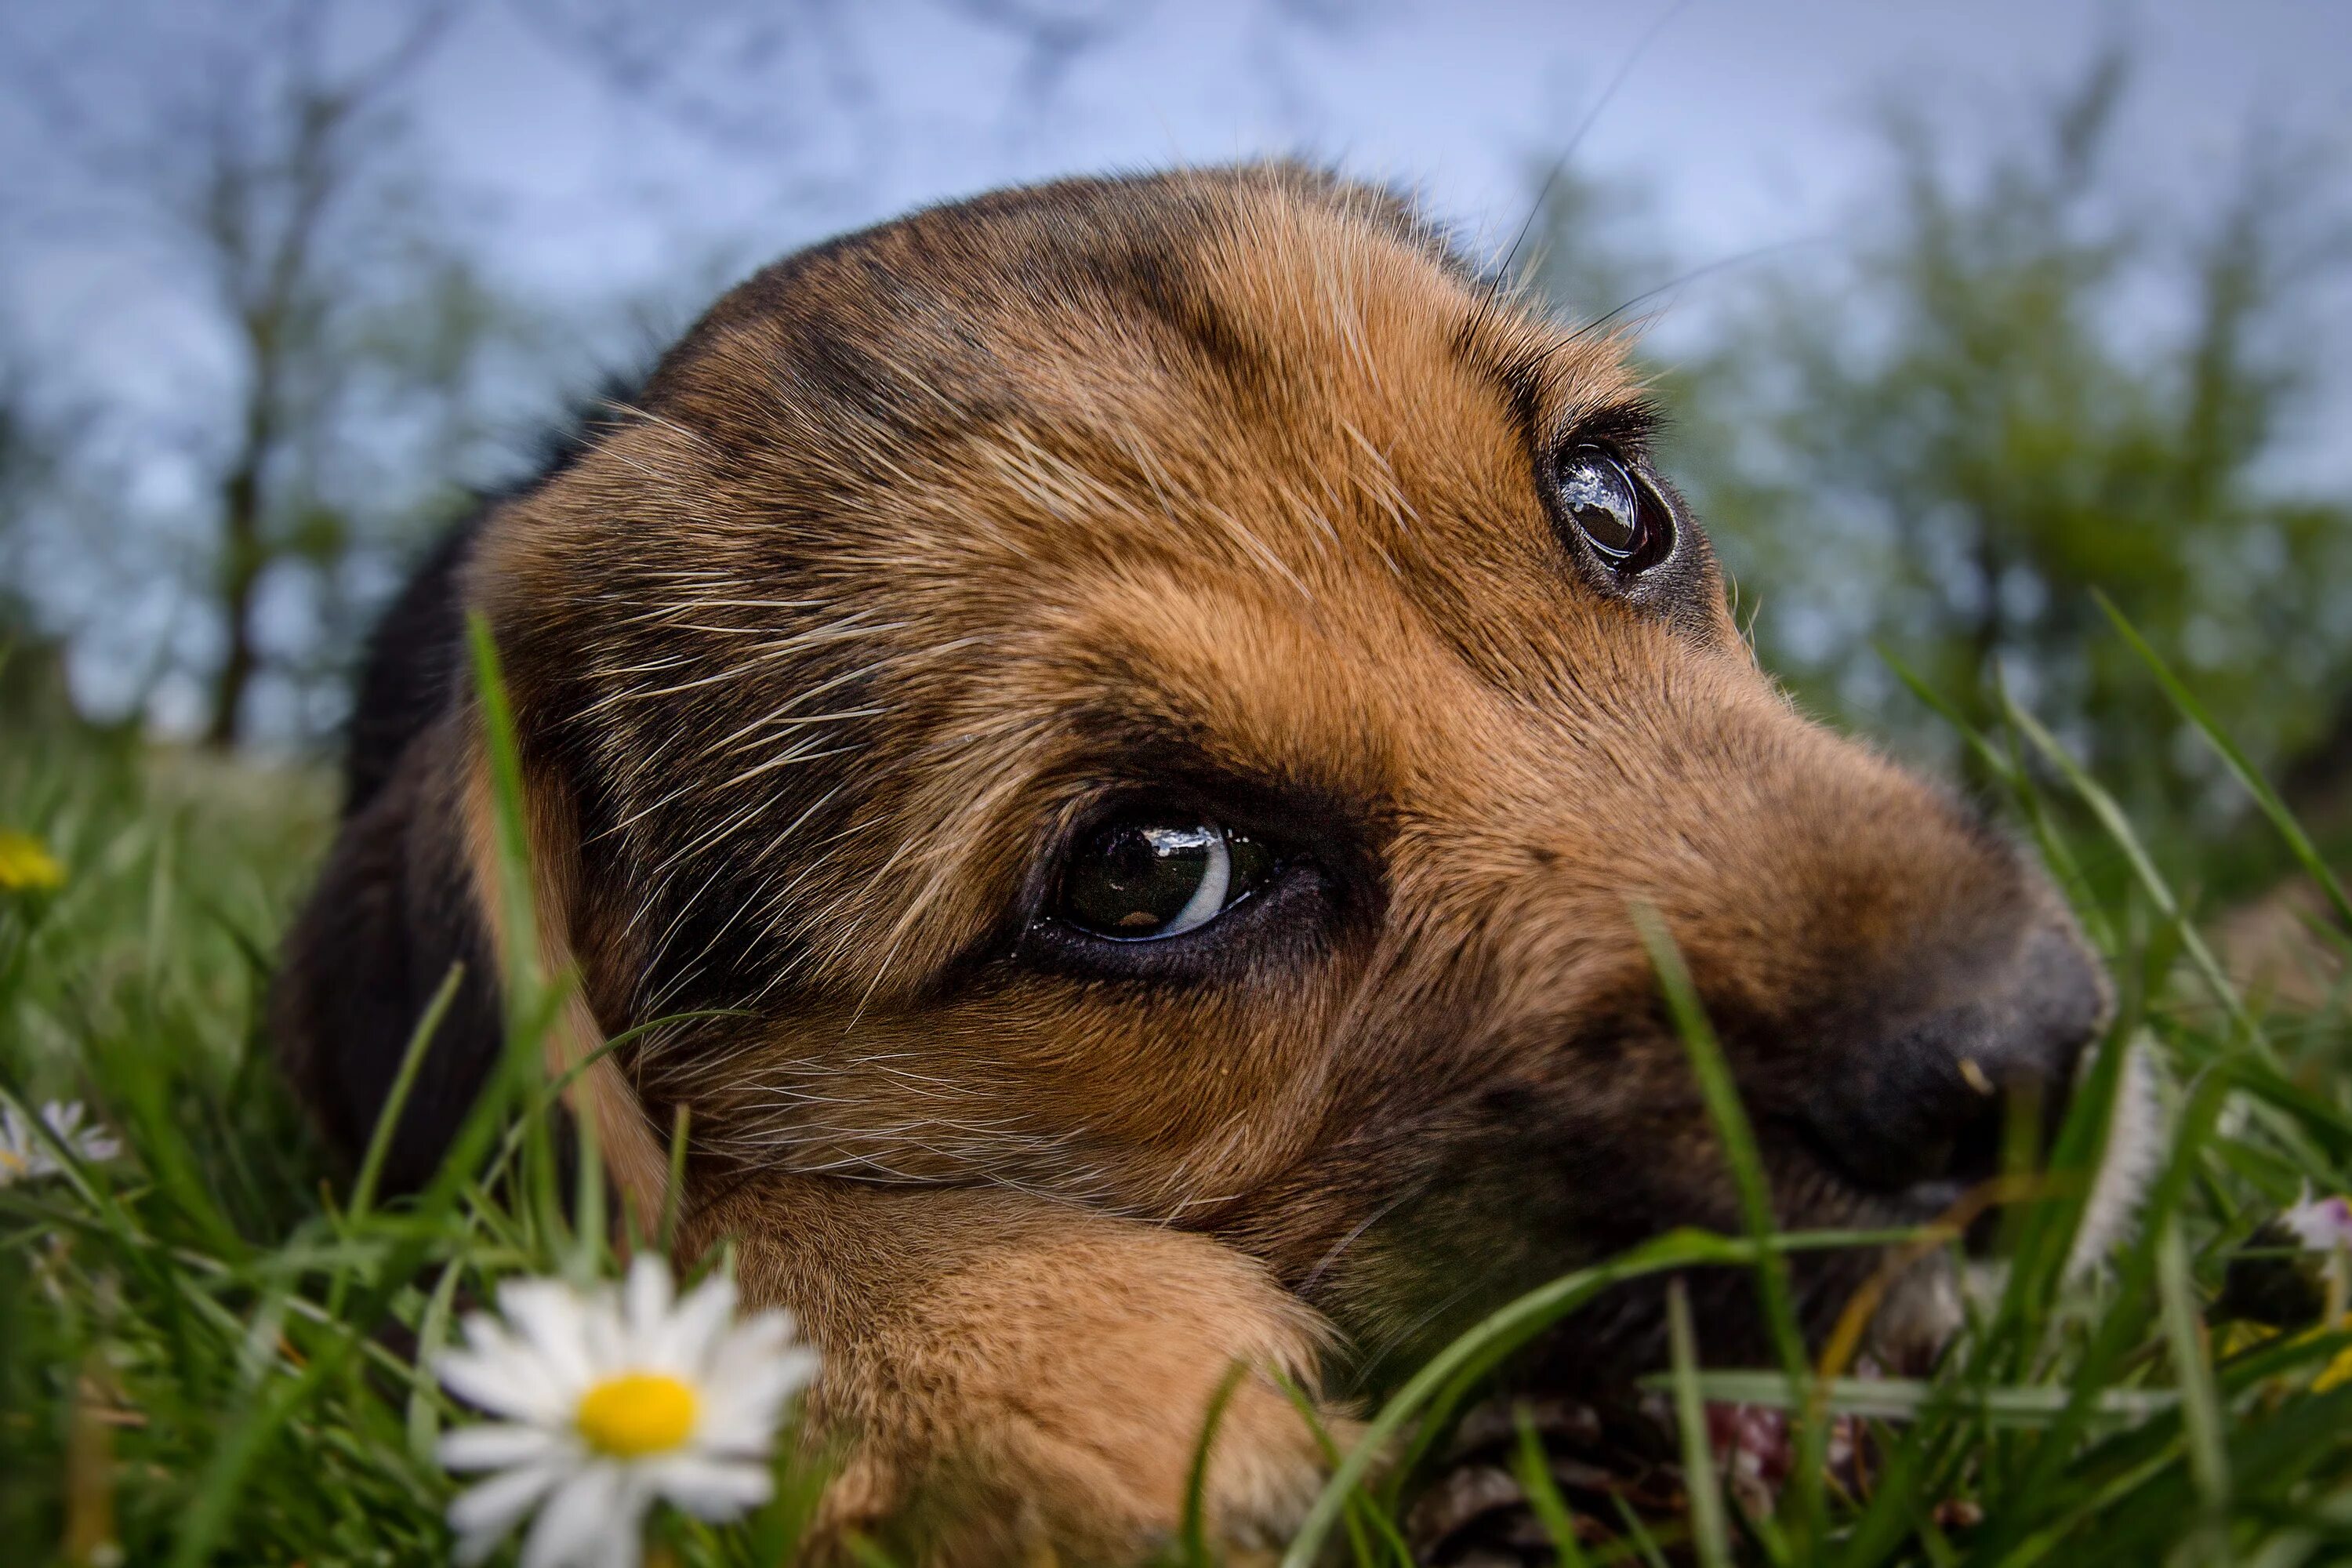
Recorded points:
(1137, 881)
(1618, 513)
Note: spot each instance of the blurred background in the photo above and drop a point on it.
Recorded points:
(1964, 313)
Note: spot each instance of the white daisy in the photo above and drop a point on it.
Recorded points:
(611, 1399)
(25, 1155)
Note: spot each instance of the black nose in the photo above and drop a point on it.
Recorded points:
(1926, 1093)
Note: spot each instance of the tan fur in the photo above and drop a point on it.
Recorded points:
(1018, 1371)
(598, 1094)
(923, 546)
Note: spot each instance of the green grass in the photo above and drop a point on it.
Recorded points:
(208, 1350)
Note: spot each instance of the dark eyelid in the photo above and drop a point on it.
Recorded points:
(1627, 430)
(1552, 417)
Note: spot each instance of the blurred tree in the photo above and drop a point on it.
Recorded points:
(749, 78)
(331, 360)
(262, 163)
(31, 666)
(1943, 441)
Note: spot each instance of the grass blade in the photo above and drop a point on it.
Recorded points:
(2118, 827)
(1709, 1536)
(2200, 1406)
(2306, 853)
(1502, 1330)
(387, 1121)
(1532, 1465)
(1740, 1153)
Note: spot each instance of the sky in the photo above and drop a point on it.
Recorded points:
(1743, 126)
(1748, 121)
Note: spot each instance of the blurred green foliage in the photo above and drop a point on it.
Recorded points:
(2016, 379)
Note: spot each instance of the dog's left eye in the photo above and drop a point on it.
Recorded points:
(1615, 508)
(1138, 880)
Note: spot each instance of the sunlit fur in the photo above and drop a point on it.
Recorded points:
(1228, 485)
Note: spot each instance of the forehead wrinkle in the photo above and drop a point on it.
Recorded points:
(1325, 294)
(1261, 687)
(1083, 515)
(1266, 504)
(1552, 380)
(1246, 688)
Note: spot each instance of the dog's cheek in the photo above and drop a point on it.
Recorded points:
(1156, 1104)
(1421, 1229)
(1418, 1232)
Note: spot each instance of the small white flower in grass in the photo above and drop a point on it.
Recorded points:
(608, 1401)
(24, 1153)
(2320, 1225)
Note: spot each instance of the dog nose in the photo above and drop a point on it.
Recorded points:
(1926, 1094)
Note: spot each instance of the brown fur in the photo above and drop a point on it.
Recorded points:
(1228, 485)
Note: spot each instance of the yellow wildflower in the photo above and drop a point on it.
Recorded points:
(26, 866)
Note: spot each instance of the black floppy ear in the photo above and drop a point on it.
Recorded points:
(412, 889)
(394, 909)
(393, 912)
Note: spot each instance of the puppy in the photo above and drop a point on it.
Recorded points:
(1132, 718)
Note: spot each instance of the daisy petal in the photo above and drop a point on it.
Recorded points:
(761, 1334)
(745, 1401)
(497, 1446)
(712, 1490)
(499, 1504)
(694, 1330)
(746, 1363)
(505, 1380)
(549, 1317)
(620, 1548)
(575, 1525)
(647, 1296)
(2321, 1224)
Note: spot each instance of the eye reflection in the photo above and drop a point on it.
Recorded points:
(1139, 879)
(1617, 513)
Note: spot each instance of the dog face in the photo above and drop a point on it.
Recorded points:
(1168, 694)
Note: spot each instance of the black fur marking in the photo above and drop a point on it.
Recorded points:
(394, 910)
(413, 659)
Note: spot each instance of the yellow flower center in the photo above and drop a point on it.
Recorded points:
(635, 1414)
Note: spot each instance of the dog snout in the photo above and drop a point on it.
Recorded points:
(1926, 1098)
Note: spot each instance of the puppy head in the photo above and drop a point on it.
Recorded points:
(1168, 693)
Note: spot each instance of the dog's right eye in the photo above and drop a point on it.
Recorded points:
(1616, 510)
(1140, 880)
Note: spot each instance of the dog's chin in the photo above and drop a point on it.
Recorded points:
(1610, 1436)
(1611, 1442)
(1609, 1348)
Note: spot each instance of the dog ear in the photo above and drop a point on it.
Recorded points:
(393, 915)
(412, 890)
(573, 953)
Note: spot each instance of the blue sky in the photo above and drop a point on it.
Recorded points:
(1746, 124)
(1747, 120)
